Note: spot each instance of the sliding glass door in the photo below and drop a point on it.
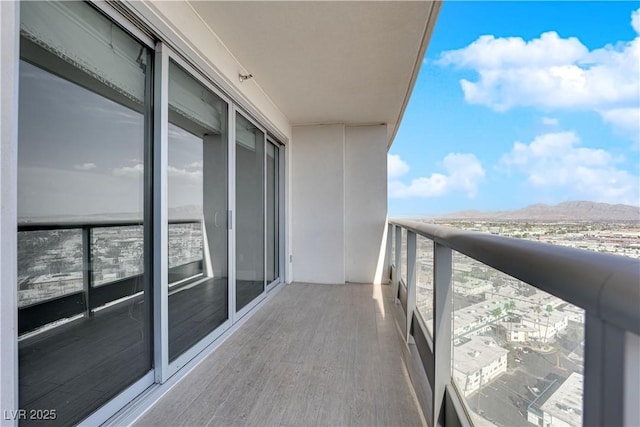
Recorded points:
(84, 137)
(132, 165)
(197, 211)
(250, 223)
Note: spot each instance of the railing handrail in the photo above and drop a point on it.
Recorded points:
(69, 225)
(606, 285)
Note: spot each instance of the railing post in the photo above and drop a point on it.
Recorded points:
(87, 270)
(632, 379)
(388, 255)
(398, 264)
(442, 328)
(604, 376)
(411, 282)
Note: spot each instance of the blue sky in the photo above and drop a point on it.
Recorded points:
(520, 103)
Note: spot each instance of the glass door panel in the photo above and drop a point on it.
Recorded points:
(197, 203)
(250, 222)
(84, 313)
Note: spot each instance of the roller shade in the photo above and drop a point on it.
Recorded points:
(79, 35)
(194, 102)
(247, 134)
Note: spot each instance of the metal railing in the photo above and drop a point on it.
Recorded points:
(91, 297)
(606, 286)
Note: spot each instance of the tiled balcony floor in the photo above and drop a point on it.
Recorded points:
(325, 355)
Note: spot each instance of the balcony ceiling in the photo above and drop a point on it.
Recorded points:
(325, 61)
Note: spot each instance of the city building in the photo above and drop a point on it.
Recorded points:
(545, 327)
(473, 286)
(516, 332)
(478, 318)
(478, 361)
(559, 406)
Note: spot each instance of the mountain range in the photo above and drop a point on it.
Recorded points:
(577, 210)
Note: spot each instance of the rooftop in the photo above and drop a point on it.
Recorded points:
(566, 403)
(476, 354)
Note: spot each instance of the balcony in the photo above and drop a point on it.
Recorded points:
(501, 359)
(216, 321)
(362, 354)
(349, 353)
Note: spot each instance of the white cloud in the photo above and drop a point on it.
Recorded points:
(555, 160)
(396, 166)
(195, 165)
(490, 53)
(626, 120)
(185, 173)
(549, 121)
(463, 173)
(137, 170)
(85, 166)
(550, 72)
(129, 171)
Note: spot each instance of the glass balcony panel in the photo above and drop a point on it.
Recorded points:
(117, 253)
(403, 256)
(424, 281)
(50, 273)
(197, 201)
(185, 245)
(392, 236)
(518, 352)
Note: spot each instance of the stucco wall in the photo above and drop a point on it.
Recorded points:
(339, 203)
(317, 205)
(365, 202)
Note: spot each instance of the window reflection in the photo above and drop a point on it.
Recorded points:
(81, 153)
(250, 259)
(197, 200)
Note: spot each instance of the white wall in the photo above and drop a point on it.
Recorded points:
(338, 203)
(317, 204)
(365, 202)
(9, 23)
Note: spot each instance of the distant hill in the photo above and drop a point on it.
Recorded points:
(579, 211)
(187, 212)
